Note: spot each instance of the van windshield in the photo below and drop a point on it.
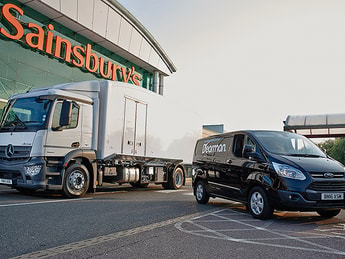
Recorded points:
(289, 144)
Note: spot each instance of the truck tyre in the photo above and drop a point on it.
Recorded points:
(176, 178)
(328, 213)
(76, 181)
(200, 192)
(258, 204)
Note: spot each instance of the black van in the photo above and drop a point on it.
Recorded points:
(268, 170)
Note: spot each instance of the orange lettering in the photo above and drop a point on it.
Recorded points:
(115, 68)
(40, 37)
(135, 79)
(49, 40)
(58, 43)
(19, 31)
(88, 57)
(77, 50)
(101, 68)
(125, 77)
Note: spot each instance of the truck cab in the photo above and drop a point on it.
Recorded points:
(38, 134)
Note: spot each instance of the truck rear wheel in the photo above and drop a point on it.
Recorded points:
(76, 181)
(176, 178)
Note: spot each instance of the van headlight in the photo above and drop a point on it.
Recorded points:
(288, 172)
(32, 170)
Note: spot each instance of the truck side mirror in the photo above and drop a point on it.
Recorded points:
(65, 116)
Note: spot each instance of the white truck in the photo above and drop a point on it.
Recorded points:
(74, 137)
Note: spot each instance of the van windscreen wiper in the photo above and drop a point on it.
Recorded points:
(304, 155)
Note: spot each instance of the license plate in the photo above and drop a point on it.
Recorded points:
(6, 181)
(332, 196)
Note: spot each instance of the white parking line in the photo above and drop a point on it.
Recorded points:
(41, 202)
(169, 191)
(200, 229)
(55, 251)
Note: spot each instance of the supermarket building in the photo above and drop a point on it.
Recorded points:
(49, 42)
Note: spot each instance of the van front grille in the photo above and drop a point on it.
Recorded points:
(327, 175)
(327, 186)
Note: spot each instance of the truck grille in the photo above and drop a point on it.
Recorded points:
(18, 153)
(327, 186)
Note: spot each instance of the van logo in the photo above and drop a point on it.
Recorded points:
(9, 151)
(207, 148)
(328, 175)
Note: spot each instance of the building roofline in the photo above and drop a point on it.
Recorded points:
(149, 36)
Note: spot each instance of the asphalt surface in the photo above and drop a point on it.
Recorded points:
(124, 222)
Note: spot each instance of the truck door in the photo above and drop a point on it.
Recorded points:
(134, 130)
(61, 140)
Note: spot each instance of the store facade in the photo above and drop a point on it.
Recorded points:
(49, 42)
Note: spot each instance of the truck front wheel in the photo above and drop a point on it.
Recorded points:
(76, 181)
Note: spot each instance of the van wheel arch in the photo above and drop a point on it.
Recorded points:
(259, 204)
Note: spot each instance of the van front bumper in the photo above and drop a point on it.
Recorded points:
(310, 200)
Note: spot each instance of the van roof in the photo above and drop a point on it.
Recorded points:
(250, 132)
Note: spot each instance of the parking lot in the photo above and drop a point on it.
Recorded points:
(153, 223)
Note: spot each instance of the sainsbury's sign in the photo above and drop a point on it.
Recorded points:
(76, 55)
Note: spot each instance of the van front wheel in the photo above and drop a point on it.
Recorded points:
(201, 194)
(258, 204)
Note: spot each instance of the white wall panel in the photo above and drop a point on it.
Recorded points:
(135, 44)
(162, 67)
(145, 50)
(69, 8)
(46, 8)
(53, 3)
(154, 58)
(100, 15)
(85, 12)
(125, 34)
(113, 26)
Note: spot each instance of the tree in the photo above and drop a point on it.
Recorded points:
(335, 148)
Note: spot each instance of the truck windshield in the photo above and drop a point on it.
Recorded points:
(25, 114)
(286, 143)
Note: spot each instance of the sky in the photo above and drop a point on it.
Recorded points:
(248, 64)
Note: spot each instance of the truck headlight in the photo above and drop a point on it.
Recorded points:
(288, 172)
(32, 170)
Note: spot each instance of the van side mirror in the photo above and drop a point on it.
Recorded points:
(247, 150)
(65, 116)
